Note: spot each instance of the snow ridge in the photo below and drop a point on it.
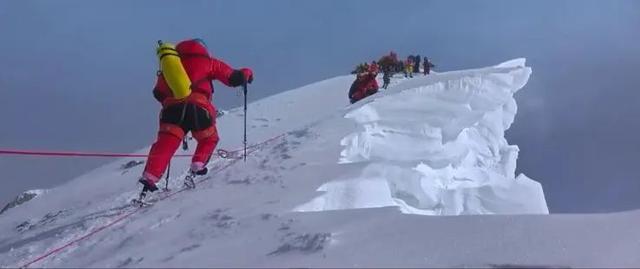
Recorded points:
(437, 147)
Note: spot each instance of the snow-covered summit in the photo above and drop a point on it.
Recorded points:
(429, 145)
(435, 145)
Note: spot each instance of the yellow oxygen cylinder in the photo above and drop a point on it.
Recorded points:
(173, 71)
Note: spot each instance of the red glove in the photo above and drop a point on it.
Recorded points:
(248, 74)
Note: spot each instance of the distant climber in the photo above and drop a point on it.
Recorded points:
(399, 67)
(386, 77)
(408, 67)
(364, 85)
(389, 63)
(427, 66)
(416, 64)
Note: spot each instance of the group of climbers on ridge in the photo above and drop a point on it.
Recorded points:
(365, 83)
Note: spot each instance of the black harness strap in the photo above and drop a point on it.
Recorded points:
(184, 111)
(196, 124)
(167, 51)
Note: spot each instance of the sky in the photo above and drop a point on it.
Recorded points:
(77, 75)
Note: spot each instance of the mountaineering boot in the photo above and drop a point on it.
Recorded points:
(147, 186)
(189, 181)
(202, 172)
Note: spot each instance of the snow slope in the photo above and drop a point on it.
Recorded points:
(430, 145)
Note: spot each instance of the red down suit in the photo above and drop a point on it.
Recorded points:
(364, 85)
(195, 113)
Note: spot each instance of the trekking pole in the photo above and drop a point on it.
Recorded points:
(166, 179)
(244, 88)
(185, 145)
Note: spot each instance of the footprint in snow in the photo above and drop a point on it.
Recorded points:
(307, 243)
(129, 261)
(49, 218)
(267, 216)
(299, 133)
(131, 164)
(220, 219)
(182, 250)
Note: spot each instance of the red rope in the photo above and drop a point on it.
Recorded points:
(91, 154)
(119, 219)
(76, 154)
(58, 249)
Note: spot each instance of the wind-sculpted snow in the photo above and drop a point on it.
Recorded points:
(437, 147)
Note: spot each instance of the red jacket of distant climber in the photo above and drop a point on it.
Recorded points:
(364, 85)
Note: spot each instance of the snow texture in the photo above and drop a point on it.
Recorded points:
(22, 198)
(437, 147)
(429, 145)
